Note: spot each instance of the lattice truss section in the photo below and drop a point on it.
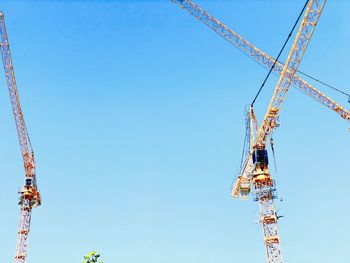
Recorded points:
(265, 193)
(299, 46)
(12, 87)
(15, 104)
(259, 56)
(23, 232)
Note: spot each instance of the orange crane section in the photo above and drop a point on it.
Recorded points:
(30, 196)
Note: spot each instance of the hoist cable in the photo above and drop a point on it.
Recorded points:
(279, 54)
(273, 153)
(327, 85)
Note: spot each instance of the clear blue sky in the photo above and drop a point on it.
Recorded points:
(136, 115)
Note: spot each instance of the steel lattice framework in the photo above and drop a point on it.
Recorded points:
(265, 193)
(23, 232)
(30, 196)
(259, 56)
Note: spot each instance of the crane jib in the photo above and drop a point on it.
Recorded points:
(259, 56)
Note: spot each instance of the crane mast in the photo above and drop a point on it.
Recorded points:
(29, 195)
(259, 56)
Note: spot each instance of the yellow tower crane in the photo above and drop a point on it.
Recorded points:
(30, 196)
(255, 169)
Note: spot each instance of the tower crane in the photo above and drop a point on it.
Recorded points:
(259, 56)
(29, 195)
(255, 169)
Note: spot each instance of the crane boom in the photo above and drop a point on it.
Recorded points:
(289, 69)
(286, 79)
(30, 196)
(259, 56)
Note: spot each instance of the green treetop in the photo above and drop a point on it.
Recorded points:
(92, 257)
